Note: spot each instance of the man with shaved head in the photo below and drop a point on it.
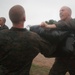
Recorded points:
(18, 46)
(64, 64)
(2, 23)
(65, 16)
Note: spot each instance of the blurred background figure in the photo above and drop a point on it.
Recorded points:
(2, 23)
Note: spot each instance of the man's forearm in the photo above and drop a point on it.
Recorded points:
(51, 26)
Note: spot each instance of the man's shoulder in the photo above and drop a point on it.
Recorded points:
(60, 24)
(4, 31)
(34, 35)
(3, 35)
(5, 27)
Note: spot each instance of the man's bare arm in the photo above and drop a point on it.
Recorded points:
(45, 25)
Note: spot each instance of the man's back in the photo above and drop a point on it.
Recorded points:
(15, 53)
(18, 47)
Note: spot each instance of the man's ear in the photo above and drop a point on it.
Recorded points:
(24, 19)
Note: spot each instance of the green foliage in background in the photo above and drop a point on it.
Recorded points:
(51, 21)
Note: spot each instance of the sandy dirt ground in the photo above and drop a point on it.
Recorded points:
(43, 61)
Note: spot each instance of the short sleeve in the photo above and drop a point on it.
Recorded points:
(62, 25)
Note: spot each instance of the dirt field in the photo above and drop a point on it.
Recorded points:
(42, 61)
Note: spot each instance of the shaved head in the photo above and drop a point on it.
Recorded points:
(3, 18)
(17, 14)
(68, 9)
(2, 21)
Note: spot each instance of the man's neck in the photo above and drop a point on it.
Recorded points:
(69, 18)
(18, 25)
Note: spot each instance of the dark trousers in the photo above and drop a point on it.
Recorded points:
(63, 65)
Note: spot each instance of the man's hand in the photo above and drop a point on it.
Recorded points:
(43, 24)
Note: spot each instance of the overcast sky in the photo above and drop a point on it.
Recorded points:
(36, 10)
